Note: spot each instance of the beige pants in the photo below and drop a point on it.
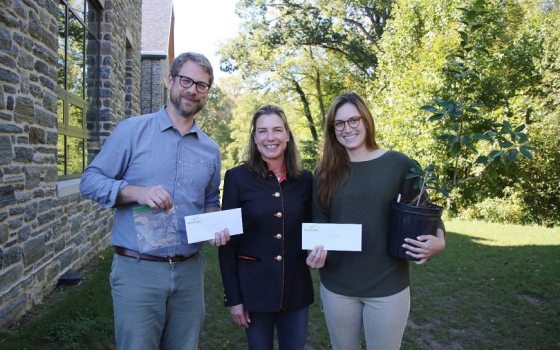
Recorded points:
(383, 320)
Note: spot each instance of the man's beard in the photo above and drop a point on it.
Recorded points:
(186, 113)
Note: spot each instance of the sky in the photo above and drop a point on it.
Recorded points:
(200, 25)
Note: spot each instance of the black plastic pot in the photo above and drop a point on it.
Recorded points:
(409, 221)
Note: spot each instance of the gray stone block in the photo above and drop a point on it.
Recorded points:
(65, 259)
(25, 61)
(24, 233)
(47, 55)
(46, 205)
(16, 211)
(76, 224)
(25, 110)
(10, 128)
(52, 138)
(9, 89)
(5, 40)
(36, 91)
(51, 175)
(15, 223)
(36, 136)
(8, 76)
(32, 177)
(12, 255)
(8, 61)
(10, 102)
(23, 154)
(50, 102)
(47, 82)
(33, 250)
(34, 25)
(6, 151)
(46, 218)
(20, 8)
(7, 195)
(30, 212)
(45, 118)
(41, 67)
(9, 20)
(4, 235)
(13, 306)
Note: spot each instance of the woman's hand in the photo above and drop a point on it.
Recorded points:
(220, 238)
(425, 247)
(239, 315)
(316, 258)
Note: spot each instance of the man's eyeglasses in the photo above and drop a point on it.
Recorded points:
(352, 122)
(187, 82)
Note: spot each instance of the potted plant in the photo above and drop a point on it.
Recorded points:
(474, 137)
(419, 216)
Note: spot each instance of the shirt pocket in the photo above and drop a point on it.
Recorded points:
(199, 172)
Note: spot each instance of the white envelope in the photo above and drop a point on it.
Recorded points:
(343, 237)
(202, 227)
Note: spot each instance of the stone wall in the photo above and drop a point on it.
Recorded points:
(154, 71)
(120, 25)
(46, 227)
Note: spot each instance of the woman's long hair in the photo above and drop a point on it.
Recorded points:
(335, 163)
(254, 161)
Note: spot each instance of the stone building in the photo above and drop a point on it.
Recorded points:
(70, 70)
(157, 53)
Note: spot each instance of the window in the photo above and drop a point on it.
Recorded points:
(78, 75)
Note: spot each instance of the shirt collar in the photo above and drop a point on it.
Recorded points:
(165, 122)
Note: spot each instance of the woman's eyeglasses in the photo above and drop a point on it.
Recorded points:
(352, 122)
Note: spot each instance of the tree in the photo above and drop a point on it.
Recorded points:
(414, 53)
(397, 55)
(215, 117)
(300, 50)
(347, 27)
(247, 103)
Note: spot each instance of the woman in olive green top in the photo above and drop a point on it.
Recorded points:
(355, 183)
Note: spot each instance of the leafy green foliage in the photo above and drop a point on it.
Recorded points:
(486, 65)
(462, 119)
(509, 208)
(348, 28)
(216, 116)
(306, 52)
(427, 179)
(493, 66)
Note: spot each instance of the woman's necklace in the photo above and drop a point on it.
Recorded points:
(280, 173)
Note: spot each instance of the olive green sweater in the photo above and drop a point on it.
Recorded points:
(365, 198)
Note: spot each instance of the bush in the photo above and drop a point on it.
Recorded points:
(508, 209)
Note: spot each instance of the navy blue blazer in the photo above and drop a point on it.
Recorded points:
(264, 268)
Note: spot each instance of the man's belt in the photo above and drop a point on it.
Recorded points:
(136, 255)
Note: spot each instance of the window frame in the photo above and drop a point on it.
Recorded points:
(68, 98)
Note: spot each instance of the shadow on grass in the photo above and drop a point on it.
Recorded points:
(477, 296)
(474, 296)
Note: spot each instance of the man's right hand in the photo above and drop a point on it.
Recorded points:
(155, 197)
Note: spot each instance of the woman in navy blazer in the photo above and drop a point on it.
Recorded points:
(267, 283)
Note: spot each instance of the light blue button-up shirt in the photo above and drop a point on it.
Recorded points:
(148, 151)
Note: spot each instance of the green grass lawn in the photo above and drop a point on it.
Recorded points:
(495, 287)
